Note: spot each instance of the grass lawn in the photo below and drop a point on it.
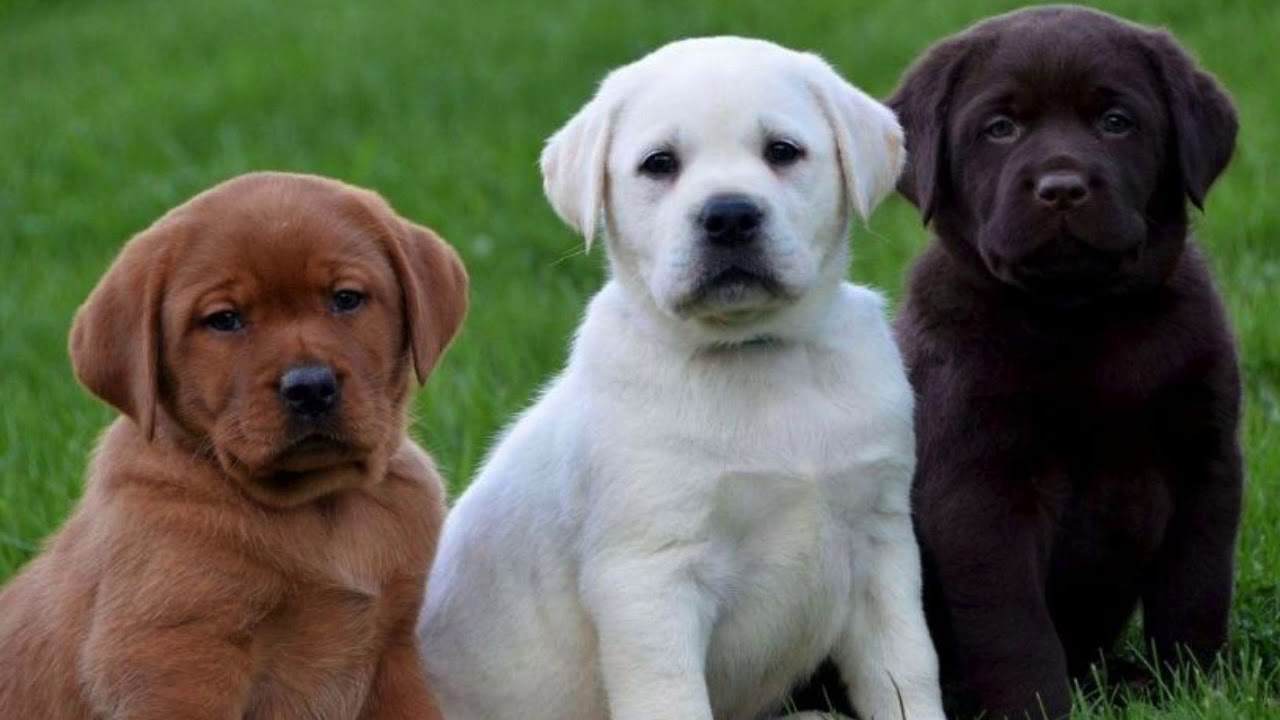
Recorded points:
(110, 113)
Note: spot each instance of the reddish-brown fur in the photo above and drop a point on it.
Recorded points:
(214, 567)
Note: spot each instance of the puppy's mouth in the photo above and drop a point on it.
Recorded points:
(1072, 278)
(733, 292)
(1067, 266)
(288, 482)
(314, 451)
(308, 465)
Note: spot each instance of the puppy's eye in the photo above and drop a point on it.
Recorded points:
(1115, 122)
(660, 164)
(226, 321)
(1001, 129)
(345, 301)
(780, 153)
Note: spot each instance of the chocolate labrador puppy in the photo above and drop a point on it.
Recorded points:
(1078, 389)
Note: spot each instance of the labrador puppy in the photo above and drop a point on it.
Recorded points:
(256, 527)
(714, 494)
(1078, 390)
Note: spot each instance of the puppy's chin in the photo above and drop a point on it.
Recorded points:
(287, 488)
(303, 472)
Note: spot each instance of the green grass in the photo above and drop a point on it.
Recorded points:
(111, 113)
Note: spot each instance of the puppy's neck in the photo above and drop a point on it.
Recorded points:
(760, 342)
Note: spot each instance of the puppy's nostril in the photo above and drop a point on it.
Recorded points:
(309, 390)
(730, 219)
(307, 393)
(748, 221)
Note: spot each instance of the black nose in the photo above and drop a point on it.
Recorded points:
(730, 219)
(1062, 190)
(309, 390)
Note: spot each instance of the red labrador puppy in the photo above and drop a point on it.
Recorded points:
(257, 527)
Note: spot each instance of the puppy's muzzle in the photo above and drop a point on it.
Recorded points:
(310, 392)
(730, 220)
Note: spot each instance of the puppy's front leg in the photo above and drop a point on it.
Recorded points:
(885, 653)
(989, 561)
(1188, 596)
(199, 669)
(170, 637)
(653, 625)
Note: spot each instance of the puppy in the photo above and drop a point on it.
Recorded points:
(256, 528)
(680, 527)
(1078, 390)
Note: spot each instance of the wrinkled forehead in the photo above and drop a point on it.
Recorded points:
(277, 246)
(1066, 65)
(719, 100)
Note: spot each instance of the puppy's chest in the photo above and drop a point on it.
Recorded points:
(1111, 507)
(776, 488)
(804, 430)
(359, 584)
(361, 545)
(783, 548)
(1103, 463)
(754, 463)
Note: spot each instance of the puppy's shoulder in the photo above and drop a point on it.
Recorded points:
(865, 346)
(861, 305)
(153, 504)
(129, 471)
(861, 327)
(1200, 301)
(152, 517)
(411, 464)
(415, 481)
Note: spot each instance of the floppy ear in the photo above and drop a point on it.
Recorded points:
(434, 284)
(868, 138)
(1202, 116)
(573, 162)
(922, 102)
(115, 338)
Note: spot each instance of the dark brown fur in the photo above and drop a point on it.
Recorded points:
(216, 568)
(1077, 382)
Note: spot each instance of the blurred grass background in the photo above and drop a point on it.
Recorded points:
(111, 113)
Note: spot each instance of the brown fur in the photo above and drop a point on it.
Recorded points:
(215, 568)
(1078, 390)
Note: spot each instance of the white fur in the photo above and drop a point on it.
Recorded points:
(711, 497)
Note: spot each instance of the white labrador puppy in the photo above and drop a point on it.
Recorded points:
(713, 495)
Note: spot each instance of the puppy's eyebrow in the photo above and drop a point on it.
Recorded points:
(352, 268)
(997, 97)
(667, 139)
(222, 285)
(220, 291)
(1112, 93)
(772, 127)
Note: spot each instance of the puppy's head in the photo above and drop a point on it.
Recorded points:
(274, 320)
(1055, 148)
(724, 172)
